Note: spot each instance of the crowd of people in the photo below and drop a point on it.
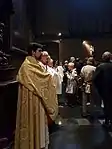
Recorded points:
(43, 81)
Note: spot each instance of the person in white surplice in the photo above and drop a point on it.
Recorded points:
(54, 73)
(60, 72)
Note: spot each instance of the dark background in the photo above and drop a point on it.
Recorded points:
(69, 17)
(75, 19)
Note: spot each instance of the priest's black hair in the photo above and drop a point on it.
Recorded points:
(33, 47)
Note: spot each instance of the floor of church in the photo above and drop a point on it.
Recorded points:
(79, 133)
(76, 132)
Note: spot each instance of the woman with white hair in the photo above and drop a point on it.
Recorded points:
(71, 86)
(72, 59)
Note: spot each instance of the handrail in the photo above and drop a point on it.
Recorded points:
(19, 50)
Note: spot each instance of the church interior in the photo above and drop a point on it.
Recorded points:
(61, 26)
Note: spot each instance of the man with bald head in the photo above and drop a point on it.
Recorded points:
(103, 83)
(44, 57)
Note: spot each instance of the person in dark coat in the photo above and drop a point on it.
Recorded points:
(65, 66)
(102, 80)
(78, 65)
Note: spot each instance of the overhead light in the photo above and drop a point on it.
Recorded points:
(43, 33)
(16, 33)
(84, 42)
(59, 34)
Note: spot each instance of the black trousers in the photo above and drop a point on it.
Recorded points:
(71, 99)
(53, 128)
(108, 109)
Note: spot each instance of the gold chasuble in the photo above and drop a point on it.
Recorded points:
(36, 102)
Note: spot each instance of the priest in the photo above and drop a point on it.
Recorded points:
(37, 102)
